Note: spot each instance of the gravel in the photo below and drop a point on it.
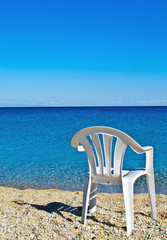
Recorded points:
(54, 214)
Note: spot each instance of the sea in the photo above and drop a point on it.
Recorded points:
(36, 151)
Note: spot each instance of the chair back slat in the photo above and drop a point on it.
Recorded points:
(98, 147)
(90, 155)
(107, 141)
(119, 152)
(100, 164)
(101, 149)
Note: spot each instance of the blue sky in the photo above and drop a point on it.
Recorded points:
(76, 53)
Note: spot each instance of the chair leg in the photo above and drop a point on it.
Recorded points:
(86, 195)
(93, 195)
(128, 199)
(151, 190)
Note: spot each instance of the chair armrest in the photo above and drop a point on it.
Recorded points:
(80, 148)
(149, 159)
(147, 148)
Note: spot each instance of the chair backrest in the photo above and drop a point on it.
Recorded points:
(105, 148)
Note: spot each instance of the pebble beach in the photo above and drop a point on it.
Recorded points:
(56, 214)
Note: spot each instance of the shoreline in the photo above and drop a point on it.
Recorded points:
(139, 189)
(56, 214)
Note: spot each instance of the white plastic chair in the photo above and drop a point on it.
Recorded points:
(97, 142)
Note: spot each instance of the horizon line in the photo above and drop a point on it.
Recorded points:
(91, 106)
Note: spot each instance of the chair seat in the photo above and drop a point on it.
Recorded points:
(132, 174)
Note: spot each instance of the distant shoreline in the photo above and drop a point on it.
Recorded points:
(158, 106)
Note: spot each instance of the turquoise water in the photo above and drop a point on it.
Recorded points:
(35, 144)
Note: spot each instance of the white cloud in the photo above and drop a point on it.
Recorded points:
(53, 102)
(32, 102)
(153, 101)
(26, 102)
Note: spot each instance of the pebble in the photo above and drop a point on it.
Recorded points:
(55, 214)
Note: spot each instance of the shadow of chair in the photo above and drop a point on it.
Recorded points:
(56, 207)
(59, 208)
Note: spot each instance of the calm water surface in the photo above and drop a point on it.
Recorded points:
(35, 144)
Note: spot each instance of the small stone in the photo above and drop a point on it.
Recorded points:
(25, 214)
